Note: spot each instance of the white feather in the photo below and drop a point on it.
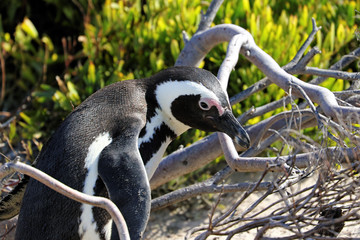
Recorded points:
(87, 227)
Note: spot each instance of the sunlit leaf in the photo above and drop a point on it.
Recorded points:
(73, 93)
(47, 41)
(91, 73)
(340, 34)
(26, 118)
(175, 49)
(332, 37)
(29, 28)
(12, 132)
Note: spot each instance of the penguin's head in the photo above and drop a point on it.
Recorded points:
(193, 98)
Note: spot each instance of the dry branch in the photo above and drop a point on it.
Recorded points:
(239, 40)
(52, 183)
(202, 152)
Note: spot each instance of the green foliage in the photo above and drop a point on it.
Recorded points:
(56, 59)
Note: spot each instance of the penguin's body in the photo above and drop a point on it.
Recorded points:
(110, 146)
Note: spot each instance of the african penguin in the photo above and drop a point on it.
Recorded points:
(110, 146)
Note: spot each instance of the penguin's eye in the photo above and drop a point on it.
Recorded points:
(204, 106)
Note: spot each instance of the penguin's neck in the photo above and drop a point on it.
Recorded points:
(157, 134)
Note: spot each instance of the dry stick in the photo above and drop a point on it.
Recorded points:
(283, 210)
(234, 206)
(306, 44)
(209, 185)
(246, 195)
(252, 163)
(201, 188)
(231, 58)
(342, 63)
(332, 73)
(247, 52)
(206, 40)
(314, 188)
(312, 106)
(208, 17)
(324, 97)
(199, 154)
(292, 67)
(253, 151)
(272, 120)
(54, 184)
(247, 162)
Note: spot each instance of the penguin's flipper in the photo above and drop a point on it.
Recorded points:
(123, 173)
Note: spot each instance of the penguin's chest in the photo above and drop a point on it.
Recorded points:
(152, 143)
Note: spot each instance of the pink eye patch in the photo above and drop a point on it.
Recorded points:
(207, 103)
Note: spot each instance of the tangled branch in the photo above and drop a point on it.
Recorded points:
(318, 211)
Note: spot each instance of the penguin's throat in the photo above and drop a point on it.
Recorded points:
(157, 134)
(153, 143)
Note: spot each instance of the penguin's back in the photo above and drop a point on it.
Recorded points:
(107, 112)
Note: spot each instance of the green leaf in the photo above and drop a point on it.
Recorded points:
(73, 93)
(175, 49)
(91, 73)
(340, 34)
(62, 101)
(338, 85)
(332, 37)
(304, 17)
(47, 41)
(28, 27)
(26, 118)
(253, 25)
(12, 132)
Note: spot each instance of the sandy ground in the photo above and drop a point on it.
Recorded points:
(174, 224)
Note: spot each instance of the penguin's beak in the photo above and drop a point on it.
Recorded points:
(228, 124)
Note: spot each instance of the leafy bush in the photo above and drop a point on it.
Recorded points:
(52, 61)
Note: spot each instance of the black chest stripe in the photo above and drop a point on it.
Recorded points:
(149, 148)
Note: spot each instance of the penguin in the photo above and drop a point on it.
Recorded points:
(111, 145)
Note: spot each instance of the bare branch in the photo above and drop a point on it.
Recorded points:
(306, 59)
(208, 18)
(207, 149)
(201, 188)
(226, 67)
(322, 96)
(52, 183)
(305, 45)
(331, 73)
(201, 43)
(255, 164)
(344, 62)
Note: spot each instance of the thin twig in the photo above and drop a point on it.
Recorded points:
(209, 16)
